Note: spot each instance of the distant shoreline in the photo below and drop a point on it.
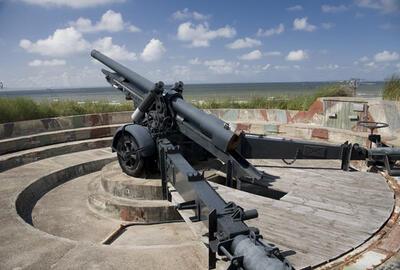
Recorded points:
(236, 91)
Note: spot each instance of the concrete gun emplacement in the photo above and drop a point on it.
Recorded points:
(169, 136)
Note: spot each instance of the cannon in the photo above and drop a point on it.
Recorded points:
(169, 136)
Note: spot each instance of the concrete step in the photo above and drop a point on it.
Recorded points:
(137, 210)
(23, 128)
(119, 184)
(54, 137)
(15, 159)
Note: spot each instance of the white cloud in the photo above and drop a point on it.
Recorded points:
(272, 53)
(298, 55)
(132, 28)
(333, 9)
(153, 51)
(110, 21)
(195, 61)
(386, 56)
(47, 63)
(244, 43)
(295, 8)
(327, 26)
(272, 31)
(301, 24)
(63, 42)
(221, 66)
(278, 67)
(200, 35)
(370, 64)
(385, 6)
(180, 71)
(105, 46)
(253, 55)
(363, 59)
(267, 66)
(328, 67)
(71, 3)
(185, 14)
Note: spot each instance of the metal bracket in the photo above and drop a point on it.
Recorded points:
(212, 239)
(390, 170)
(193, 205)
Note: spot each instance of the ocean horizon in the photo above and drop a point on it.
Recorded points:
(195, 92)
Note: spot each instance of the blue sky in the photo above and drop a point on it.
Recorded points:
(46, 43)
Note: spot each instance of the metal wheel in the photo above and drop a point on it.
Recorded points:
(129, 157)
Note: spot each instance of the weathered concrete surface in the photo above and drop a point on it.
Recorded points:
(138, 210)
(125, 186)
(117, 195)
(23, 128)
(15, 159)
(48, 138)
(63, 212)
(24, 246)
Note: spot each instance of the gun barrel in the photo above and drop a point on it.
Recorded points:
(133, 78)
(209, 125)
(214, 128)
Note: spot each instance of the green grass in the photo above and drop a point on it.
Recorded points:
(19, 109)
(301, 102)
(391, 89)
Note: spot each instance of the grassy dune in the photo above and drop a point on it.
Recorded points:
(301, 102)
(19, 109)
(391, 89)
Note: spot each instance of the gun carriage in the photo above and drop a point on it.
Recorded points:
(168, 135)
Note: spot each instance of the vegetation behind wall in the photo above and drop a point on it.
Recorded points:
(19, 109)
(301, 102)
(391, 90)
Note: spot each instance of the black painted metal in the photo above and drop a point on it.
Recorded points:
(263, 147)
(228, 234)
(209, 125)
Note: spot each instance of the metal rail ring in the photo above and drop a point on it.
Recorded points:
(372, 124)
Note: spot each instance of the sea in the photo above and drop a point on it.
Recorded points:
(193, 92)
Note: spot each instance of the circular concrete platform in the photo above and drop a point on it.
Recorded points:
(325, 212)
(314, 214)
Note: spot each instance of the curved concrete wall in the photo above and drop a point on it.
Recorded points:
(316, 123)
(23, 128)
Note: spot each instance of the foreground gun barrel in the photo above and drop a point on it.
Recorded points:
(253, 254)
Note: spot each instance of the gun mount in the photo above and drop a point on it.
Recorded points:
(168, 135)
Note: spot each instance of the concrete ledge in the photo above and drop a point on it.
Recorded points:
(146, 211)
(119, 196)
(61, 136)
(114, 182)
(27, 199)
(23, 128)
(20, 158)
